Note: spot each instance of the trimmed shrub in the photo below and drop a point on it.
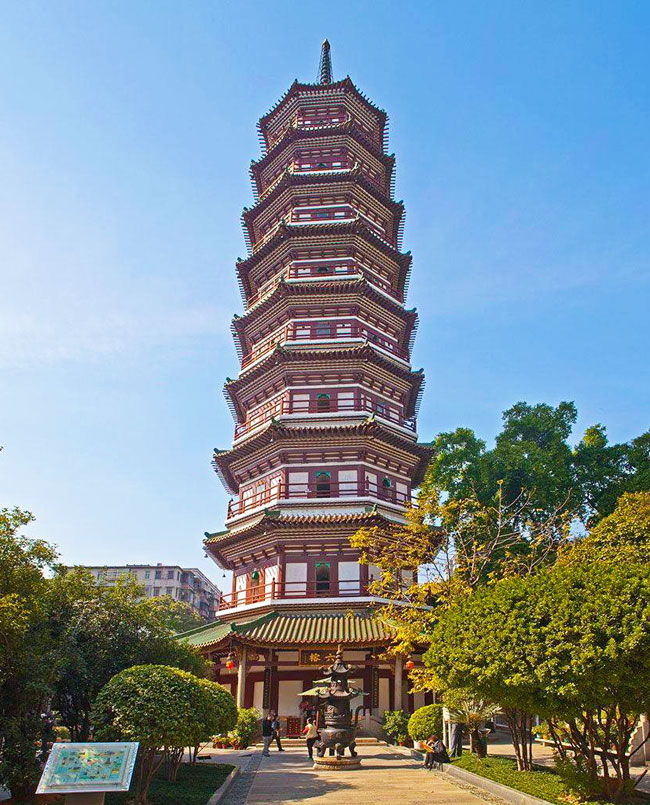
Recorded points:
(247, 726)
(426, 721)
(163, 708)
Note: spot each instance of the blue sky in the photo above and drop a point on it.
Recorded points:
(522, 134)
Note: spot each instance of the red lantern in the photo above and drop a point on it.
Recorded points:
(410, 665)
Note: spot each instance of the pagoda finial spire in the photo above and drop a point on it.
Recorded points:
(325, 66)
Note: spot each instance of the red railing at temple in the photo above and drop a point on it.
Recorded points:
(324, 407)
(322, 271)
(315, 332)
(319, 490)
(274, 590)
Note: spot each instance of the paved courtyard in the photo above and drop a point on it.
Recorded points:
(387, 778)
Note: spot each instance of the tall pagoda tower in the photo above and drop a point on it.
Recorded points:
(324, 405)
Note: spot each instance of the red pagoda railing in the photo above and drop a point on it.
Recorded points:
(324, 407)
(274, 590)
(319, 490)
(334, 332)
(321, 271)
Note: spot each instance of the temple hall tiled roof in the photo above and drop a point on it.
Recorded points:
(275, 629)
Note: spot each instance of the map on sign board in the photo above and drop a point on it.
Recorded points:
(91, 767)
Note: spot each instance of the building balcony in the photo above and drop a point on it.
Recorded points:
(346, 491)
(322, 271)
(324, 407)
(293, 590)
(306, 334)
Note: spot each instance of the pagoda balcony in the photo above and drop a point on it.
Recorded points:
(323, 271)
(357, 405)
(303, 335)
(345, 491)
(275, 590)
(339, 213)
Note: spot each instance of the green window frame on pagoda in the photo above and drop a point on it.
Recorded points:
(323, 402)
(323, 483)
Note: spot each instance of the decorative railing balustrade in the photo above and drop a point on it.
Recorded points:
(316, 490)
(339, 331)
(324, 406)
(274, 590)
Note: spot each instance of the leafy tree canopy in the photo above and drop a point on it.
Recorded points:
(532, 455)
(100, 631)
(27, 651)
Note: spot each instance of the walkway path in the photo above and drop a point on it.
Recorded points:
(386, 778)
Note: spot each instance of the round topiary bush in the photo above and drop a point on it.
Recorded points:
(163, 708)
(426, 721)
(224, 714)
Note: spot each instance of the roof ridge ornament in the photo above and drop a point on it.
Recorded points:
(325, 65)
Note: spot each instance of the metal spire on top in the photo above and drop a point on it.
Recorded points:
(325, 66)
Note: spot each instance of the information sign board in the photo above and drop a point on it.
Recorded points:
(88, 767)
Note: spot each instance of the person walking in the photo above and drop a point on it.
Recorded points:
(311, 734)
(276, 732)
(267, 734)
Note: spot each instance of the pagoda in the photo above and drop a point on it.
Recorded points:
(325, 405)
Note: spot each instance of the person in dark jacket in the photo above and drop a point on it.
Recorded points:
(267, 734)
(276, 731)
(435, 753)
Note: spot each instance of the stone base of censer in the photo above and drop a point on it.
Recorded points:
(337, 764)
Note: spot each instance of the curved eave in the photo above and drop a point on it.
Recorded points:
(292, 135)
(276, 432)
(272, 520)
(286, 290)
(354, 177)
(352, 227)
(296, 88)
(279, 356)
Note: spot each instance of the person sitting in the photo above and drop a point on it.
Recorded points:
(435, 753)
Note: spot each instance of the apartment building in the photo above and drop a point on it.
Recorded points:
(188, 584)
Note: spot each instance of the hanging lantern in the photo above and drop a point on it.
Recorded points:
(230, 662)
(255, 574)
(409, 665)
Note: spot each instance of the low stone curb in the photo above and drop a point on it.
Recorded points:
(223, 789)
(498, 789)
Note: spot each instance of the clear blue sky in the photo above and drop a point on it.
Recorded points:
(522, 133)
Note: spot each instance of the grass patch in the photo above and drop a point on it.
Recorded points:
(194, 786)
(541, 783)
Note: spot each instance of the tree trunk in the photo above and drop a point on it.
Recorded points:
(520, 726)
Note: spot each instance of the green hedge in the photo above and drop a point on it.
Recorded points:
(426, 721)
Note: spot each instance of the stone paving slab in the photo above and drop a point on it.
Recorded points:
(385, 778)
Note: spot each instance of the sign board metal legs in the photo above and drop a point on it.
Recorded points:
(83, 798)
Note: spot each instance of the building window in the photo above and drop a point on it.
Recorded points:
(169, 590)
(323, 483)
(147, 574)
(324, 330)
(170, 574)
(158, 574)
(156, 590)
(323, 402)
(322, 577)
